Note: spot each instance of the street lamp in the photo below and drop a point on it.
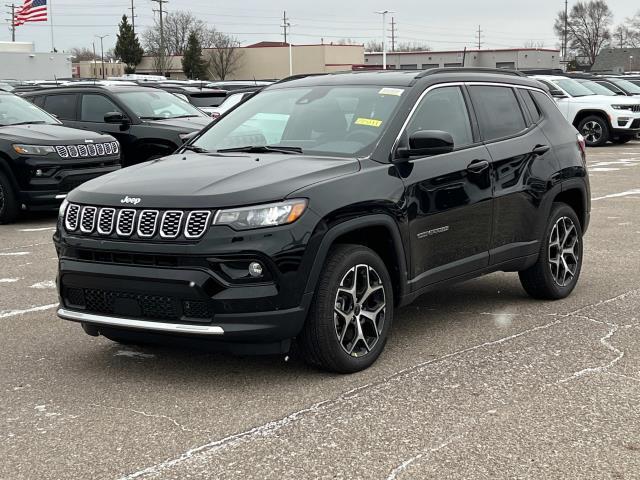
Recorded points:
(102, 37)
(630, 59)
(384, 36)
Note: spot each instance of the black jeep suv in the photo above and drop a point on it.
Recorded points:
(315, 209)
(149, 123)
(41, 160)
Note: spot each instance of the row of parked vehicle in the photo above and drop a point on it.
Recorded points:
(55, 137)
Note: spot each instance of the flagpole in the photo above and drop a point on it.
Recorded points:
(53, 45)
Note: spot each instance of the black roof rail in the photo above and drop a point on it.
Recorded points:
(501, 71)
(297, 77)
(543, 71)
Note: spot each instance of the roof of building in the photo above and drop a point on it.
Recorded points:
(443, 52)
(610, 59)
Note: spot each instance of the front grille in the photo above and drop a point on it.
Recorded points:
(636, 123)
(138, 224)
(88, 150)
(196, 309)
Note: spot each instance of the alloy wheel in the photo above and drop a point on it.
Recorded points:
(592, 132)
(359, 310)
(564, 250)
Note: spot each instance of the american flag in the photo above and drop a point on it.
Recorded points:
(31, 11)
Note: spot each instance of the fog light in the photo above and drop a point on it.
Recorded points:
(38, 173)
(255, 269)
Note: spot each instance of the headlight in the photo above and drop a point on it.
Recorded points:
(34, 149)
(622, 107)
(63, 208)
(270, 215)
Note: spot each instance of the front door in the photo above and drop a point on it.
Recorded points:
(449, 196)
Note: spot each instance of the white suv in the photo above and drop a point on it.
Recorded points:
(599, 118)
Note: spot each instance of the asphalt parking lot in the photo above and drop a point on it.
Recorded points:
(478, 381)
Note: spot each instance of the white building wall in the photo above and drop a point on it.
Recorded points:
(34, 66)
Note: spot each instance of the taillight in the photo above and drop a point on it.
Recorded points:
(582, 146)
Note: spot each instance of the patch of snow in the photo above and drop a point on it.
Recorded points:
(47, 284)
(635, 191)
(14, 254)
(9, 280)
(13, 313)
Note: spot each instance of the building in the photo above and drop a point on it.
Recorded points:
(270, 60)
(516, 58)
(20, 61)
(93, 69)
(617, 60)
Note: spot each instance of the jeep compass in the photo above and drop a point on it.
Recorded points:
(313, 211)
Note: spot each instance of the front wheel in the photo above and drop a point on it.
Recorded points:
(9, 209)
(595, 130)
(351, 314)
(556, 273)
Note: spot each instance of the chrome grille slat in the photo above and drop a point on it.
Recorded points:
(147, 223)
(107, 149)
(92, 150)
(83, 150)
(115, 147)
(88, 219)
(171, 223)
(106, 221)
(126, 222)
(72, 217)
(62, 151)
(197, 223)
(73, 151)
(138, 224)
(100, 149)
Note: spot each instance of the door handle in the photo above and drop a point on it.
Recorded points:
(478, 166)
(540, 149)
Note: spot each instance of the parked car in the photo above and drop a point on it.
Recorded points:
(149, 123)
(619, 86)
(41, 160)
(599, 118)
(377, 188)
(5, 87)
(204, 99)
(233, 98)
(238, 84)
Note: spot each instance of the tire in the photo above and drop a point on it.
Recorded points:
(327, 335)
(595, 130)
(555, 275)
(9, 209)
(621, 140)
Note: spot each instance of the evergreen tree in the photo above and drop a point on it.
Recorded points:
(128, 47)
(192, 64)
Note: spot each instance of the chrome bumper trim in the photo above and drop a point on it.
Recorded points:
(138, 324)
(62, 196)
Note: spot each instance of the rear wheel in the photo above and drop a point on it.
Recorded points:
(351, 314)
(595, 130)
(9, 209)
(556, 273)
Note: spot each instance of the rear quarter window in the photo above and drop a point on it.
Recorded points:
(62, 106)
(534, 111)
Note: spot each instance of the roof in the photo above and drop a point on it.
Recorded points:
(442, 52)
(613, 59)
(284, 44)
(407, 78)
(84, 88)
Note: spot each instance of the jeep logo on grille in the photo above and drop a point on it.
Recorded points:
(131, 200)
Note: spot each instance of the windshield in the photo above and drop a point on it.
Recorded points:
(626, 85)
(207, 100)
(15, 110)
(323, 120)
(573, 88)
(157, 105)
(596, 88)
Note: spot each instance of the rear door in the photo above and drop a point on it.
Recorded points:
(449, 196)
(522, 161)
(63, 106)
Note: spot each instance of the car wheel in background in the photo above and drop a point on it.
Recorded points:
(351, 313)
(556, 273)
(595, 130)
(9, 208)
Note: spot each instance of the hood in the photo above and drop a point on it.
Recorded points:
(50, 135)
(608, 100)
(190, 124)
(203, 181)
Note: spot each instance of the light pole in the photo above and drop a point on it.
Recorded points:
(630, 59)
(102, 37)
(384, 36)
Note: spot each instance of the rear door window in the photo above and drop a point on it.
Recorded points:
(95, 107)
(62, 106)
(498, 111)
(534, 113)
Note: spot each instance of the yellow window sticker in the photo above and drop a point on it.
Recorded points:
(369, 122)
(396, 92)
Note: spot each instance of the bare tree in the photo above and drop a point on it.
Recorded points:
(632, 29)
(225, 56)
(82, 54)
(533, 44)
(412, 47)
(373, 46)
(177, 28)
(587, 28)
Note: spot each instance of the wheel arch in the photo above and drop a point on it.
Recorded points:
(582, 114)
(5, 168)
(378, 232)
(574, 194)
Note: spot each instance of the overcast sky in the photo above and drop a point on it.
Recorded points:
(441, 25)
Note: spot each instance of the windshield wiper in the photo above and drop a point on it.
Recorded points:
(154, 118)
(185, 116)
(33, 122)
(194, 148)
(263, 149)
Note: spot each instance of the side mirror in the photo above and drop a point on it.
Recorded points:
(555, 93)
(424, 143)
(115, 117)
